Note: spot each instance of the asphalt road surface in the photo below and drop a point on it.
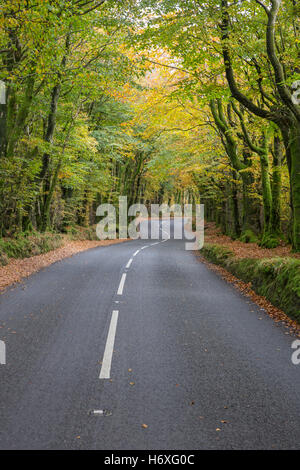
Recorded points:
(140, 346)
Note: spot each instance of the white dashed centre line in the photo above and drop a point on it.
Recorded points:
(109, 347)
(98, 412)
(121, 285)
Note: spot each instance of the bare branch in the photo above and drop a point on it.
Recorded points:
(92, 8)
(168, 66)
(263, 6)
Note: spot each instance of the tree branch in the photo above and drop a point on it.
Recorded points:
(283, 90)
(92, 8)
(236, 93)
(263, 6)
(168, 66)
(254, 148)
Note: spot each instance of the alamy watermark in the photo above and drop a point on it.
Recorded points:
(295, 88)
(296, 354)
(2, 353)
(2, 92)
(152, 224)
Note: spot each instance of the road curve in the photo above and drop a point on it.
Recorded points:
(187, 362)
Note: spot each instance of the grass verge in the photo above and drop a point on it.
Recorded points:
(28, 244)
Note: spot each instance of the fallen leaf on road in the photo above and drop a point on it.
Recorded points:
(144, 426)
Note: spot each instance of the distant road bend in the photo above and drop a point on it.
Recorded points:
(139, 346)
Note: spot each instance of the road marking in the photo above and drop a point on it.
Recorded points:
(121, 285)
(110, 341)
(98, 412)
(109, 347)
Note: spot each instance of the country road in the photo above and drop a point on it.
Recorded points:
(140, 346)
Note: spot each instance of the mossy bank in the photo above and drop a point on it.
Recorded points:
(28, 244)
(277, 279)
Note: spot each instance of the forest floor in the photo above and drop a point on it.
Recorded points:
(17, 269)
(245, 250)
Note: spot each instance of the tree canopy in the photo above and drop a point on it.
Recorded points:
(170, 101)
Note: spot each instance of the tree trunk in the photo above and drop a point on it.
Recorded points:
(267, 199)
(16, 122)
(3, 117)
(235, 207)
(276, 188)
(295, 183)
(45, 174)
